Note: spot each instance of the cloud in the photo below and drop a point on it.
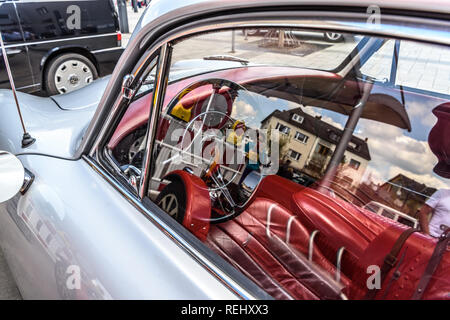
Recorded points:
(242, 109)
(421, 111)
(393, 152)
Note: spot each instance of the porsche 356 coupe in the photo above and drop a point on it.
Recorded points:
(211, 165)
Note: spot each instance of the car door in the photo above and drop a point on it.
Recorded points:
(80, 232)
(15, 49)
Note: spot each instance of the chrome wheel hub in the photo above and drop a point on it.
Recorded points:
(72, 75)
(333, 36)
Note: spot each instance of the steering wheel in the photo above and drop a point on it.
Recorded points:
(211, 117)
(214, 166)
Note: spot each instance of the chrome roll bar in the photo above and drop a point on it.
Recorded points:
(311, 244)
(338, 263)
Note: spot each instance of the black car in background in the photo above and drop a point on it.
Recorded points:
(58, 46)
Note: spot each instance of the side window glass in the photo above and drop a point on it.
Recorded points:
(284, 166)
(127, 145)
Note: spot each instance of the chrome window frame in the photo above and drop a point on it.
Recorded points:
(179, 33)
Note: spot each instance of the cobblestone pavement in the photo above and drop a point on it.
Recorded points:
(133, 18)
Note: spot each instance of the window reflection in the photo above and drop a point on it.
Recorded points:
(283, 167)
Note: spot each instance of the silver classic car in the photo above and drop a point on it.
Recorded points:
(177, 177)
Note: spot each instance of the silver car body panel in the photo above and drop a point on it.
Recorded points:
(47, 234)
(58, 123)
(83, 99)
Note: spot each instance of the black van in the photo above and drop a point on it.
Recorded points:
(58, 46)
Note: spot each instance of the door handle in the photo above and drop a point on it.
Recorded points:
(13, 51)
(27, 181)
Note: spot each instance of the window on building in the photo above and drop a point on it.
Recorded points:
(325, 151)
(294, 154)
(282, 128)
(301, 137)
(354, 164)
(353, 145)
(334, 136)
(297, 118)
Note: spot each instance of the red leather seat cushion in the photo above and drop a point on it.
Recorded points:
(341, 224)
(271, 266)
(244, 243)
(286, 226)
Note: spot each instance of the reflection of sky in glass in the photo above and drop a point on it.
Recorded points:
(396, 151)
(253, 108)
(393, 150)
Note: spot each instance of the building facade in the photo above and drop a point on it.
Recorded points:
(309, 142)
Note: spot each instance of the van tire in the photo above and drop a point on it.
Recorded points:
(83, 72)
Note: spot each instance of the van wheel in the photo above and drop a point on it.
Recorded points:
(172, 200)
(251, 32)
(69, 72)
(333, 36)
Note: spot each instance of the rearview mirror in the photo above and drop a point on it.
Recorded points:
(12, 174)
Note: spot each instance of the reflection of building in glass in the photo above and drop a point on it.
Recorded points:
(309, 143)
(405, 193)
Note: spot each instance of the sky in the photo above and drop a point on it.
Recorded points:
(393, 150)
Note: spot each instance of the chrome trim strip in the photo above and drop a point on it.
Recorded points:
(311, 244)
(187, 247)
(116, 105)
(108, 49)
(159, 92)
(30, 86)
(59, 40)
(269, 214)
(106, 124)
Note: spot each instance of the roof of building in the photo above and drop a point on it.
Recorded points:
(322, 129)
(411, 185)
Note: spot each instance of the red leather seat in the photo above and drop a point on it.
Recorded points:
(413, 258)
(245, 241)
(340, 224)
(284, 224)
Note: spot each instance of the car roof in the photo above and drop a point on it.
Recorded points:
(157, 8)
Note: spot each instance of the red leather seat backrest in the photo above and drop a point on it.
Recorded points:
(336, 220)
(411, 263)
(265, 216)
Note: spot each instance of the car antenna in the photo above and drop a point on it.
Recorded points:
(27, 140)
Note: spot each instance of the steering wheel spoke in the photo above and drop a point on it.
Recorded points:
(204, 132)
